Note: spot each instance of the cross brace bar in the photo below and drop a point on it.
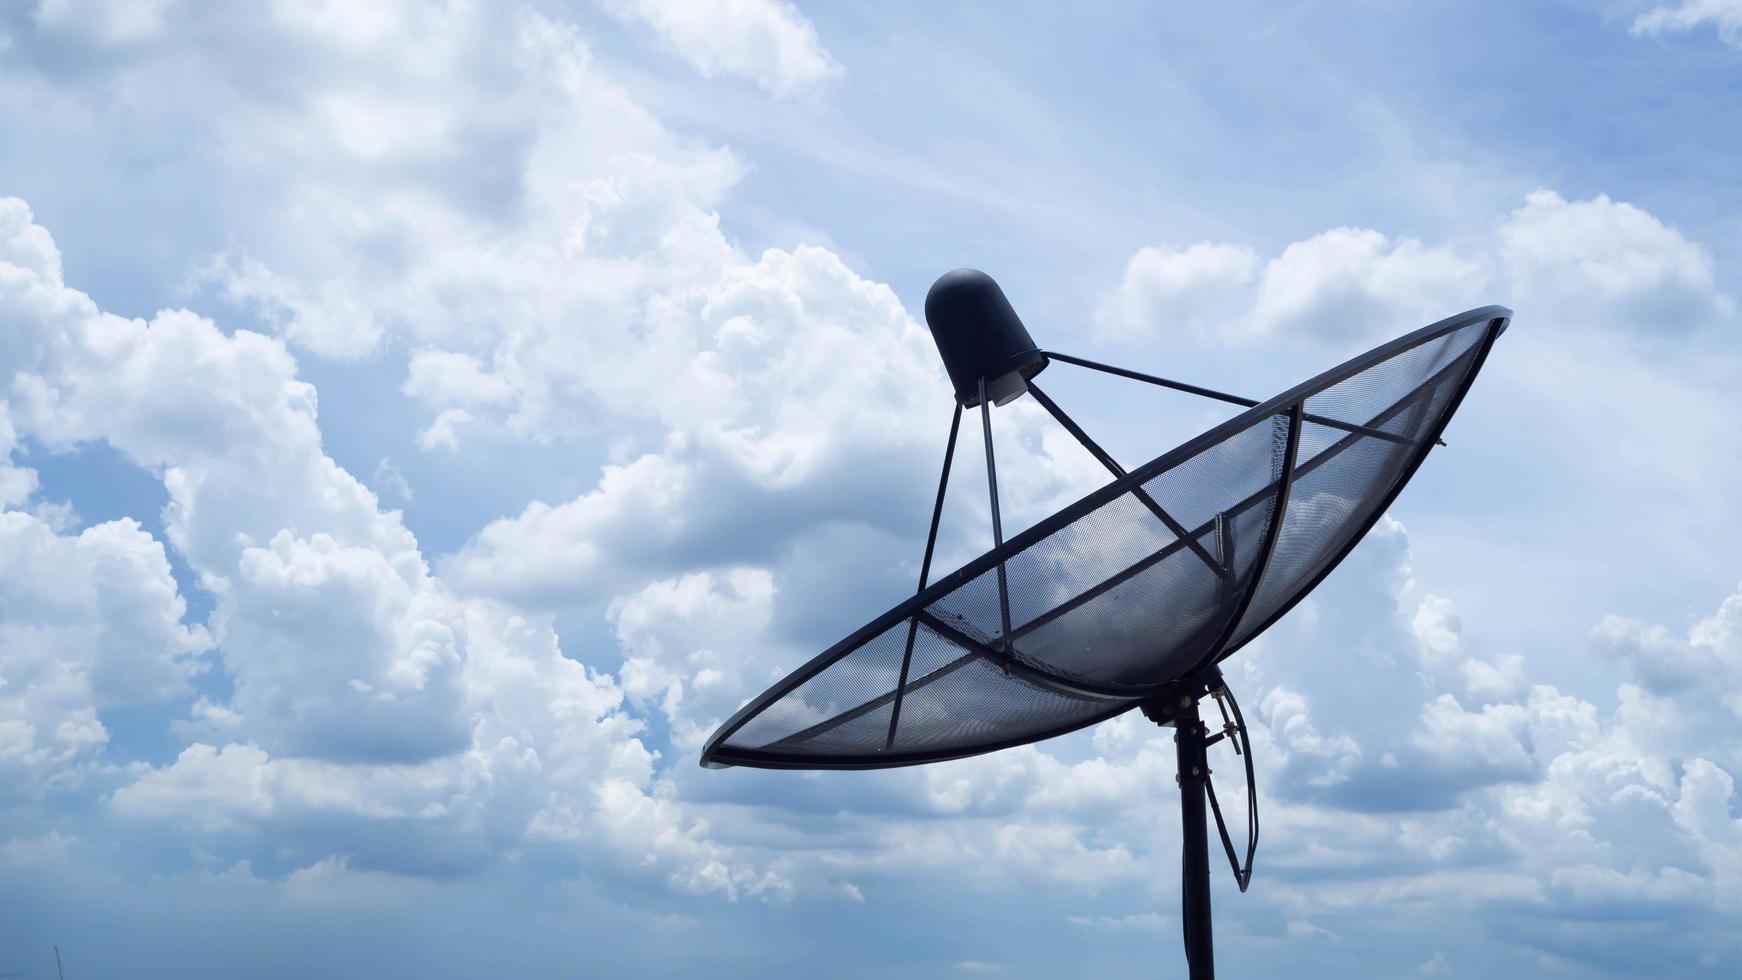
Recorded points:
(1222, 396)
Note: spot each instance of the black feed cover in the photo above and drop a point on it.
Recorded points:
(979, 335)
(1107, 605)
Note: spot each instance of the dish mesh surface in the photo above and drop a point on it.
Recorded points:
(1107, 604)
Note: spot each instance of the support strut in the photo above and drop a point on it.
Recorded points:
(1223, 396)
(997, 524)
(931, 540)
(1106, 459)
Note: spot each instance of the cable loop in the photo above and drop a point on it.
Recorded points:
(1235, 730)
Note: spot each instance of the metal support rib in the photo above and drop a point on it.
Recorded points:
(1114, 468)
(997, 525)
(1221, 396)
(1013, 665)
(975, 651)
(1285, 483)
(931, 540)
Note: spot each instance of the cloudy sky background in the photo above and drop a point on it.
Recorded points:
(424, 423)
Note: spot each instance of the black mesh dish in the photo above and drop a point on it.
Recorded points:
(1107, 605)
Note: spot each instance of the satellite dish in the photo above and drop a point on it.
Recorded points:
(1131, 596)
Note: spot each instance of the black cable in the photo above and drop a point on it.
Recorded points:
(1242, 870)
(1251, 791)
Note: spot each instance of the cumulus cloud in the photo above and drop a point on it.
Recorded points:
(1607, 261)
(1201, 287)
(87, 621)
(339, 657)
(684, 641)
(17, 483)
(428, 163)
(1349, 282)
(1585, 801)
(1592, 263)
(762, 411)
(1343, 284)
(365, 695)
(583, 290)
(768, 41)
(1687, 682)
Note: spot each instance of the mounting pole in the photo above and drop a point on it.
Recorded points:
(1178, 706)
(1194, 840)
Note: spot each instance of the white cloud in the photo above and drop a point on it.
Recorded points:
(793, 391)
(586, 290)
(365, 694)
(423, 170)
(87, 621)
(1348, 283)
(1704, 664)
(449, 378)
(325, 318)
(571, 547)
(1606, 261)
(1201, 287)
(1343, 285)
(687, 643)
(17, 483)
(795, 373)
(1725, 15)
(765, 40)
(1582, 263)
(337, 655)
(216, 785)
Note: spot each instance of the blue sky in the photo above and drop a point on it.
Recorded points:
(423, 424)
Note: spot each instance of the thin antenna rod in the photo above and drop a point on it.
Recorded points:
(57, 970)
(997, 526)
(1114, 468)
(1224, 396)
(931, 540)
